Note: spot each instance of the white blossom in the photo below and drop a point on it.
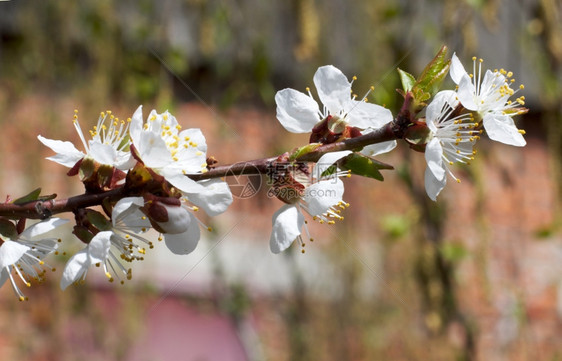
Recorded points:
(299, 112)
(489, 96)
(451, 140)
(109, 144)
(109, 249)
(169, 151)
(321, 199)
(22, 255)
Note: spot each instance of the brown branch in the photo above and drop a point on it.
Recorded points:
(45, 209)
(260, 166)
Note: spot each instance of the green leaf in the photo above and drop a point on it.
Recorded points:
(304, 150)
(30, 197)
(429, 81)
(362, 165)
(98, 220)
(407, 79)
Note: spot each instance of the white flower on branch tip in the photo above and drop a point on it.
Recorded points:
(23, 255)
(121, 242)
(489, 96)
(451, 140)
(169, 151)
(322, 199)
(299, 112)
(109, 144)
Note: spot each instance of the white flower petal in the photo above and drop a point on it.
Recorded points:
(178, 219)
(457, 71)
(379, 148)
(76, 266)
(334, 90)
(433, 185)
(67, 154)
(297, 112)
(434, 158)
(321, 196)
(327, 160)
(186, 242)
(365, 115)
(153, 150)
(11, 252)
(125, 207)
(194, 136)
(214, 198)
(136, 125)
(103, 153)
(287, 223)
(467, 93)
(501, 128)
(182, 182)
(98, 248)
(43, 227)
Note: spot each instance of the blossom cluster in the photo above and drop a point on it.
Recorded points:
(150, 162)
(148, 172)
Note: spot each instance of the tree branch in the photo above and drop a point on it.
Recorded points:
(45, 209)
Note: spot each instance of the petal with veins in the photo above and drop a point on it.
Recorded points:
(297, 112)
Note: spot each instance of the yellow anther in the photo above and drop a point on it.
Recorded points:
(354, 77)
(521, 131)
(372, 87)
(210, 229)
(473, 58)
(458, 180)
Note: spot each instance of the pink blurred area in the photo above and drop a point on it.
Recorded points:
(174, 331)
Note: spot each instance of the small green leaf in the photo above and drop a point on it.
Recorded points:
(83, 234)
(304, 150)
(30, 197)
(98, 220)
(408, 80)
(429, 81)
(364, 166)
